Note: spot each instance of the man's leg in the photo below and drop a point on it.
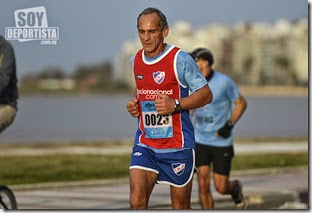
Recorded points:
(221, 172)
(234, 188)
(141, 185)
(181, 196)
(222, 184)
(205, 196)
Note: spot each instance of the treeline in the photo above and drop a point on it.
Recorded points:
(85, 78)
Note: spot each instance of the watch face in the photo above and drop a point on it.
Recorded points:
(177, 106)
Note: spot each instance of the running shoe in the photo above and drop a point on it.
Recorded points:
(238, 196)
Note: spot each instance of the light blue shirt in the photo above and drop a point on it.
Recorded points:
(207, 120)
(189, 76)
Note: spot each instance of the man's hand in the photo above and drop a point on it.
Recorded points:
(226, 130)
(133, 107)
(164, 104)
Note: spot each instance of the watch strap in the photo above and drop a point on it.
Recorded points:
(177, 106)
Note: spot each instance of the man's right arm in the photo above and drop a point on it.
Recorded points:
(7, 65)
(133, 106)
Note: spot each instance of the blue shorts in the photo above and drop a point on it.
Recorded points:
(174, 168)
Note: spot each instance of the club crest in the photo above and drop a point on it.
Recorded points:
(159, 76)
(178, 168)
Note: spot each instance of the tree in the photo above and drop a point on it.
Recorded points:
(52, 73)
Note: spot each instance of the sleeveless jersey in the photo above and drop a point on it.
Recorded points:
(161, 131)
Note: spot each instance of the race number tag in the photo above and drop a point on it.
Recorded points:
(155, 125)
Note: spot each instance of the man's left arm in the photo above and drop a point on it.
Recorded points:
(190, 77)
(238, 111)
(166, 105)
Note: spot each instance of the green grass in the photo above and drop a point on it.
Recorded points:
(269, 160)
(270, 139)
(40, 169)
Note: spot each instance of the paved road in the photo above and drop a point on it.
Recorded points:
(260, 186)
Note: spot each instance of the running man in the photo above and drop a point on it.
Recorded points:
(8, 85)
(164, 143)
(213, 126)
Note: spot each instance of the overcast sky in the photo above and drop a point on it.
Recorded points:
(95, 30)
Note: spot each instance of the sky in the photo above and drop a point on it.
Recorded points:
(93, 31)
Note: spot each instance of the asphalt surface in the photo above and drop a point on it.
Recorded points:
(273, 188)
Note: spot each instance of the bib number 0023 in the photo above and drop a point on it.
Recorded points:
(153, 120)
(155, 125)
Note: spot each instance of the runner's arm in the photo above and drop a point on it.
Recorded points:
(199, 98)
(133, 106)
(239, 109)
(165, 104)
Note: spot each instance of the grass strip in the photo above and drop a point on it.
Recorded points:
(243, 162)
(40, 169)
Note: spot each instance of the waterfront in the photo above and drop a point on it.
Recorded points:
(104, 117)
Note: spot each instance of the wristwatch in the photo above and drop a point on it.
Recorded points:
(177, 106)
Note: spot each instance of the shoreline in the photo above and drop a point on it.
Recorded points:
(129, 142)
(246, 90)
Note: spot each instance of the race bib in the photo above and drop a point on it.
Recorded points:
(155, 125)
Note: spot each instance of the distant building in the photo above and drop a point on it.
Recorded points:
(255, 54)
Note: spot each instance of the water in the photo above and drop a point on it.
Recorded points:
(102, 117)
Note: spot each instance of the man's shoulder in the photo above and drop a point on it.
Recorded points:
(133, 56)
(184, 56)
(223, 76)
(224, 79)
(182, 53)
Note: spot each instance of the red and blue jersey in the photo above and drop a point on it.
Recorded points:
(173, 131)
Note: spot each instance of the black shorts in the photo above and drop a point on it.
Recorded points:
(219, 157)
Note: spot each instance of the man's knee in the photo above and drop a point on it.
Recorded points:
(222, 184)
(204, 189)
(204, 185)
(138, 202)
(222, 189)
